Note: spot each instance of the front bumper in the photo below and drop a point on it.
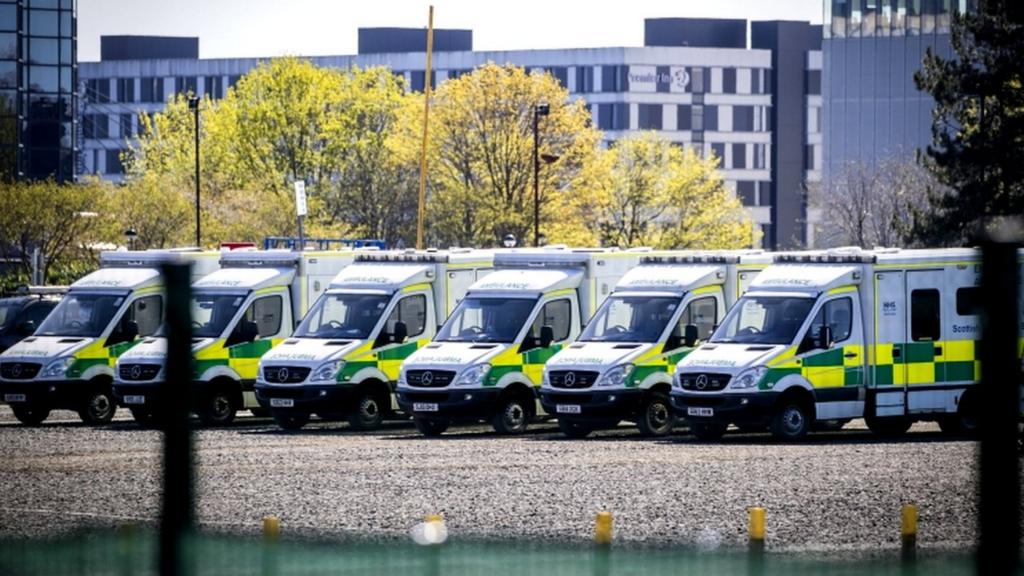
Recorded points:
(746, 409)
(141, 394)
(594, 405)
(59, 394)
(451, 403)
(308, 398)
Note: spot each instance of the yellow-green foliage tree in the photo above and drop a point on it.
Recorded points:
(657, 194)
(481, 157)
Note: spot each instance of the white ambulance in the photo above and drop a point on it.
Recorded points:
(820, 338)
(486, 361)
(68, 363)
(621, 366)
(239, 313)
(343, 360)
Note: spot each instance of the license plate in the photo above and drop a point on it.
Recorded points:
(424, 407)
(706, 412)
(282, 403)
(567, 408)
(14, 397)
(134, 399)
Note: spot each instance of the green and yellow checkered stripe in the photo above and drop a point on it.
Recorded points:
(96, 354)
(530, 363)
(823, 369)
(916, 363)
(654, 361)
(244, 359)
(387, 359)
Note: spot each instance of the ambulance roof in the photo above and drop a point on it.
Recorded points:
(556, 257)
(527, 282)
(708, 257)
(382, 275)
(453, 256)
(151, 258)
(678, 278)
(814, 278)
(119, 279)
(888, 256)
(245, 278)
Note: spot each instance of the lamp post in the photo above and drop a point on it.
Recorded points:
(130, 234)
(538, 110)
(193, 105)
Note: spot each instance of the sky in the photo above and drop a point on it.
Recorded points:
(249, 28)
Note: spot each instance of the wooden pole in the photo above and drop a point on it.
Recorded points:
(422, 208)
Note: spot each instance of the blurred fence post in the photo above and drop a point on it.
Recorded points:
(177, 516)
(908, 532)
(999, 470)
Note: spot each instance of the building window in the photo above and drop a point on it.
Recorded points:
(127, 130)
(185, 85)
(814, 82)
(97, 90)
(728, 80)
(614, 78)
(584, 79)
(747, 192)
(743, 118)
(718, 149)
(214, 86)
(151, 90)
(114, 162)
(613, 116)
(561, 73)
(684, 118)
(126, 89)
(711, 118)
(95, 126)
(739, 155)
(697, 80)
(809, 157)
(760, 156)
(418, 79)
(649, 117)
(43, 23)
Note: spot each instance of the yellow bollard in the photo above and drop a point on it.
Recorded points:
(433, 518)
(908, 530)
(603, 529)
(271, 527)
(756, 529)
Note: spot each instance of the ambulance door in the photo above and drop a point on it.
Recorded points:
(887, 370)
(923, 352)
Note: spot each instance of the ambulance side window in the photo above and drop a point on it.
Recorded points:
(924, 315)
(837, 314)
(413, 311)
(558, 315)
(702, 312)
(968, 301)
(266, 313)
(148, 313)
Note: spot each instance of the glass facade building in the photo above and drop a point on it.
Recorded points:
(37, 89)
(871, 49)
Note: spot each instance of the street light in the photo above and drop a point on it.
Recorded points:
(193, 105)
(538, 110)
(130, 234)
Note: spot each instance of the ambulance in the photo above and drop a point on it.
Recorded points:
(820, 338)
(239, 313)
(621, 366)
(343, 360)
(68, 363)
(486, 361)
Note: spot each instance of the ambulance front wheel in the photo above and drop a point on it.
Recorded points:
(99, 406)
(370, 406)
(792, 420)
(515, 410)
(656, 418)
(431, 427)
(217, 407)
(708, 432)
(290, 420)
(30, 415)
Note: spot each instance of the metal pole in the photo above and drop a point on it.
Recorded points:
(536, 177)
(177, 516)
(422, 208)
(195, 110)
(999, 501)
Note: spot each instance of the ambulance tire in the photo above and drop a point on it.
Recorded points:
(708, 432)
(218, 407)
(259, 412)
(368, 411)
(99, 406)
(30, 415)
(288, 420)
(514, 412)
(965, 421)
(574, 430)
(655, 416)
(792, 420)
(888, 427)
(431, 427)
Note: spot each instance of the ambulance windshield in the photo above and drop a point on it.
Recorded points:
(487, 320)
(211, 313)
(343, 315)
(764, 320)
(630, 319)
(84, 315)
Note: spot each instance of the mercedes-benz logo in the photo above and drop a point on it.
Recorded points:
(16, 370)
(282, 375)
(570, 379)
(427, 378)
(702, 381)
(136, 372)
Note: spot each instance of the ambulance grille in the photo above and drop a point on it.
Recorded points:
(19, 370)
(137, 372)
(704, 381)
(429, 378)
(285, 374)
(573, 379)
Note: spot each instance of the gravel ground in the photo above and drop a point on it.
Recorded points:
(838, 491)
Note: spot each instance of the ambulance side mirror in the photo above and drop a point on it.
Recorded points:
(825, 337)
(690, 335)
(28, 327)
(401, 332)
(675, 338)
(547, 336)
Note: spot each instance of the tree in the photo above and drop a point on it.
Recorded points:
(661, 195)
(481, 155)
(977, 146)
(876, 205)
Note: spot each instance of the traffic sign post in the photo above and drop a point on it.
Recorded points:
(300, 209)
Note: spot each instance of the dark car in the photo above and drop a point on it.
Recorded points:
(20, 315)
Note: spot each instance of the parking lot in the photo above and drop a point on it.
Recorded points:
(836, 491)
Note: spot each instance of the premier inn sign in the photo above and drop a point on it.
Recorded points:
(649, 78)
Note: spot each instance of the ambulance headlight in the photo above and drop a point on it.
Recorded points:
(401, 379)
(617, 376)
(749, 378)
(328, 371)
(474, 375)
(58, 367)
(545, 380)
